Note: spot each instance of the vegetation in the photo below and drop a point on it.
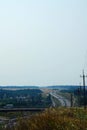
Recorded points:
(51, 119)
(55, 119)
(79, 94)
(23, 98)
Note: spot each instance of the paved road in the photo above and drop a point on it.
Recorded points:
(64, 102)
(53, 102)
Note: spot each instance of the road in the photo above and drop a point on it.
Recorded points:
(64, 102)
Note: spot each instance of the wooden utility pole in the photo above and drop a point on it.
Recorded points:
(71, 100)
(78, 92)
(80, 89)
(84, 76)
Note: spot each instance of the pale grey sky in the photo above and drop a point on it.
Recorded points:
(42, 42)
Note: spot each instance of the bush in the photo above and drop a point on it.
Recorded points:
(55, 119)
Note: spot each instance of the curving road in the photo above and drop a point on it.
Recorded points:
(64, 102)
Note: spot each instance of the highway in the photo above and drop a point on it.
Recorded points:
(64, 102)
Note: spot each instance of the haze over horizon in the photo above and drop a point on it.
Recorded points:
(43, 42)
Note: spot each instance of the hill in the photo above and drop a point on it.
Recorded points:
(63, 87)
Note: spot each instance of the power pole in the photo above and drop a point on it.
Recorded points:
(84, 76)
(71, 100)
(80, 93)
(80, 89)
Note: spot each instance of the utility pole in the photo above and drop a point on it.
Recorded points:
(80, 93)
(84, 76)
(71, 100)
(80, 89)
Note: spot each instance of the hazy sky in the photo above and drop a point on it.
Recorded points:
(42, 42)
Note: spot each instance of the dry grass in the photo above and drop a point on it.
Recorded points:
(55, 119)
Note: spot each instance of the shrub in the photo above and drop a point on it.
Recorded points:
(55, 119)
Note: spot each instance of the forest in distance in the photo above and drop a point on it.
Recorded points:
(26, 98)
(63, 87)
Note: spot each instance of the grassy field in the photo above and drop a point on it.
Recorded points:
(55, 119)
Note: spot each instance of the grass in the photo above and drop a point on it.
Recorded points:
(55, 119)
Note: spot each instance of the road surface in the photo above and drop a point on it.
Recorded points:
(64, 102)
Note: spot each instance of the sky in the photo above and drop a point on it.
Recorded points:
(43, 42)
